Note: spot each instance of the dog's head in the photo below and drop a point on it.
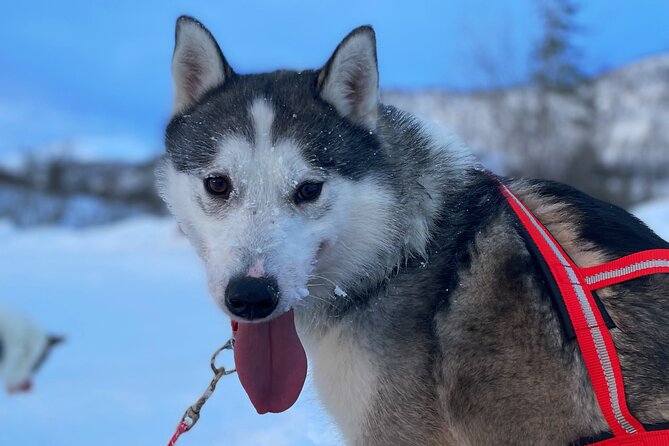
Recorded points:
(280, 180)
(24, 347)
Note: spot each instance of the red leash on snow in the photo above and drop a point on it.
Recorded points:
(594, 339)
(192, 414)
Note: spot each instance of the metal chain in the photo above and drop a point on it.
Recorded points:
(192, 414)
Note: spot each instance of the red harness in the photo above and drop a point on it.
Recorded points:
(594, 339)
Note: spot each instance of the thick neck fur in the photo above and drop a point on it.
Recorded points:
(388, 319)
(427, 166)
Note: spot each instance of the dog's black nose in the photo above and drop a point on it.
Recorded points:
(252, 297)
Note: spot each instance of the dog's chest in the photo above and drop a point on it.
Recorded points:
(345, 379)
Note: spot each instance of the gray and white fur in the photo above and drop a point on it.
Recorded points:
(424, 317)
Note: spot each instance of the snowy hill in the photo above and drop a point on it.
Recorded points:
(632, 110)
(611, 139)
(633, 106)
(656, 215)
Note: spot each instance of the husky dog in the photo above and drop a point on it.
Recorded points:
(24, 347)
(377, 235)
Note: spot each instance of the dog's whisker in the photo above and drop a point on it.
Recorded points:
(334, 284)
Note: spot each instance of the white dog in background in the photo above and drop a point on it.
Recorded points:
(24, 346)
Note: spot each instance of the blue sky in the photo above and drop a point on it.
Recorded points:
(74, 69)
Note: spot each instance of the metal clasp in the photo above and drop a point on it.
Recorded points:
(192, 414)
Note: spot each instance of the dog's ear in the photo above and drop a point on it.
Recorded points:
(198, 65)
(350, 79)
(54, 340)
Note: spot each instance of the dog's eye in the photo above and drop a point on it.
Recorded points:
(308, 191)
(219, 186)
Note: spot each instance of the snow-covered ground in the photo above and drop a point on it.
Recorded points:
(131, 300)
(140, 328)
(656, 215)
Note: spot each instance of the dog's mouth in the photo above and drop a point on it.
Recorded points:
(270, 361)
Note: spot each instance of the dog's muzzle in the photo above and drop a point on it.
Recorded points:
(252, 297)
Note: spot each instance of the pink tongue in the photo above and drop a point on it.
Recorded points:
(271, 363)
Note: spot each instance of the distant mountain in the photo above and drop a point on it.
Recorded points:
(633, 112)
(627, 120)
(632, 109)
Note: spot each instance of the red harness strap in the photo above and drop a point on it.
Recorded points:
(635, 265)
(593, 337)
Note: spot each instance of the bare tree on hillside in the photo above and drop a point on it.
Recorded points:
(563, 98)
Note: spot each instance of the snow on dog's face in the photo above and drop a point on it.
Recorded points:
(275, 177)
